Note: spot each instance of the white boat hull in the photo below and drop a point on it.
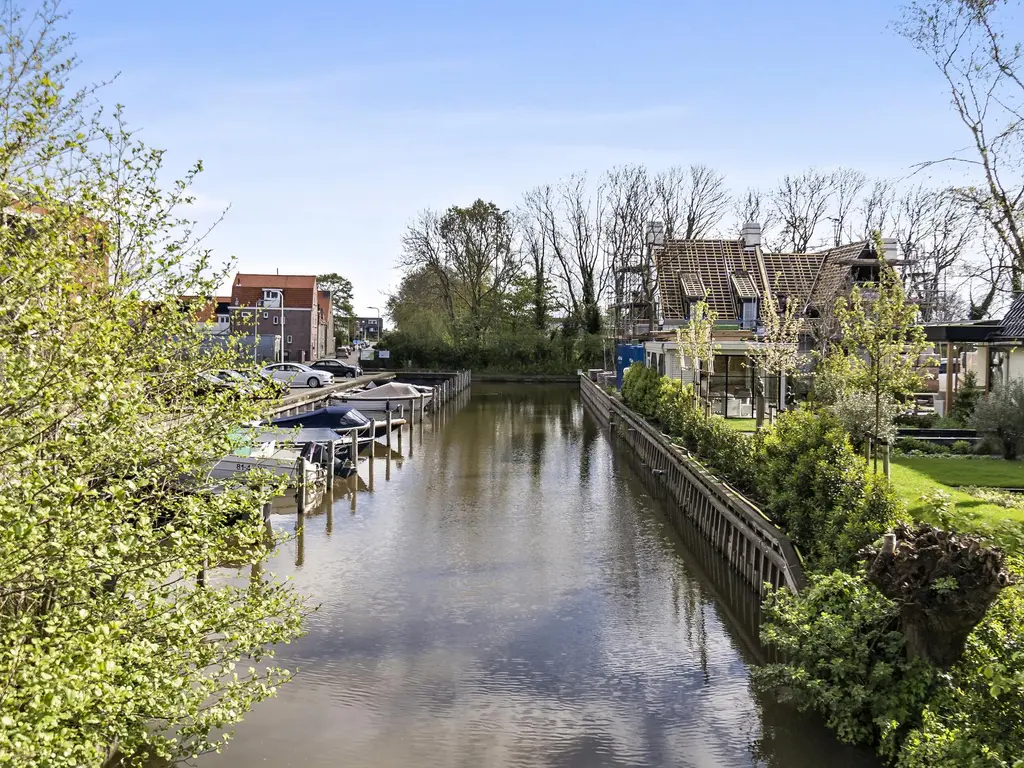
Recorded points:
(235, 466)
(375, 405)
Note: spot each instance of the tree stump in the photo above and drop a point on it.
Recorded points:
(943, 581)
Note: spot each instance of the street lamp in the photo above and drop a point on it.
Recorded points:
(378, 321)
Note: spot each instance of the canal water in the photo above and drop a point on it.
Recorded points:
(509, 594)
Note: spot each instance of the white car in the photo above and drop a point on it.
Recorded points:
(298, 375)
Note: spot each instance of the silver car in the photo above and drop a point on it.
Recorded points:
(298, 375)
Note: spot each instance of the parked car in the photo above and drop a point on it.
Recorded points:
(298, 375)
(259, 383)
(339, 369)
(345, 350)
(207, 383)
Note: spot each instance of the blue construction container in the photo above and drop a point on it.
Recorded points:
(625, 356)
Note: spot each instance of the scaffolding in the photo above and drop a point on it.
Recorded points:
(634, 310)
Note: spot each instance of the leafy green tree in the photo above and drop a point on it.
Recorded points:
(696, 341)
(966, 398)
(341, 299)
(881, 340)
(106, 443)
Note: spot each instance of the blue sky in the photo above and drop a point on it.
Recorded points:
(327, 125)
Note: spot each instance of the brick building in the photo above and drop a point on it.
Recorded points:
(290, 306)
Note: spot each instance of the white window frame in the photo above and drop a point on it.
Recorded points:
(266, 315)
(276, 319)
(288, 340)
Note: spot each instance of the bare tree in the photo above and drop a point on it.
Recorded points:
(690, 201)
(801, 203)
(876, 208)
(984, 71)
(934, 229)
(986, 278)
(571, 218)
(847, 184)
(630, 205)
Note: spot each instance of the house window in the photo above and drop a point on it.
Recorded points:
(288, 339)
(222, 318)
(272, 297)
(266, 314)
(749, 315)
(275, 319)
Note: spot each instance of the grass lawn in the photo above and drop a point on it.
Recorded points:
(742, 425)
(913, 476)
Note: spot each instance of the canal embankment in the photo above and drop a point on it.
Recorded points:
(738, 529)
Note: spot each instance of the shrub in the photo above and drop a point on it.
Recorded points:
(914, 445)
(814, 483)
(917, 420)
(848, 659)
(961, 448)
(1000, 417)
(976, 715)
(856, 412)
(641, 389)
(965, 399)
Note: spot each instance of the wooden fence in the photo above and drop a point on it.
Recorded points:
(753, 547)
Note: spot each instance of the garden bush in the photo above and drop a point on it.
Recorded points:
(973, 717)
(849, 661)
(856, 412)
(914, 445)
(917, 420)
(814, 483)
(999, 416)
(961, 448)
(966, 398)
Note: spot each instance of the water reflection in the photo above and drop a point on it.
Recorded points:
(513, 597)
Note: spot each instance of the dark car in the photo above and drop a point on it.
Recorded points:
(338, 368)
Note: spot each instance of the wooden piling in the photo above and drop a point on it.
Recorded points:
(355, 446)
(331, 453)
(387, 421)
(300, 492)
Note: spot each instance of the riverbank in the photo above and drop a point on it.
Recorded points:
(900, 655)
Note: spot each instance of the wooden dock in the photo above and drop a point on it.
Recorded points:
(753, 547)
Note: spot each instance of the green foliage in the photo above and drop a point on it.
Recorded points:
(999, 416)
(696, 339)
(848, 659)
(881, 340)
(804, 470)
(974, 717)
(918, 420)
(526, 352)
(105, 443)
(856, 411)
(961, 448)
(641, 389)
(966, 398)
(816, 486)
(831, 379)
(341, 297)
(913, 445)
